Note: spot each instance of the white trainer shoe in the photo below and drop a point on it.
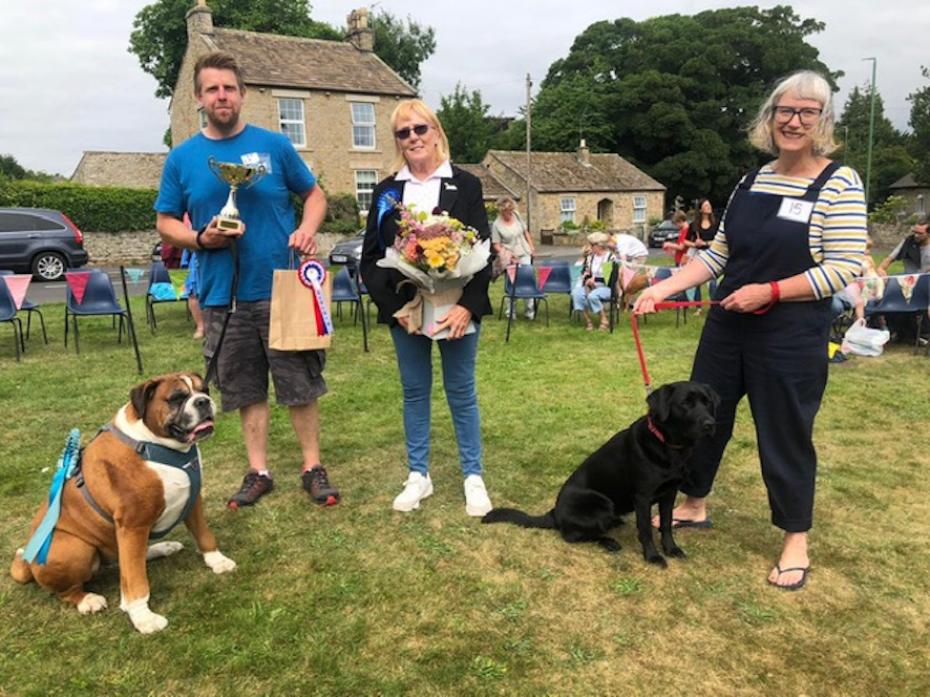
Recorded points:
(416, 488)
(477, 502)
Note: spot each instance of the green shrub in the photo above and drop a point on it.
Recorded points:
(341, 213)
(889, 211)
(96, 208)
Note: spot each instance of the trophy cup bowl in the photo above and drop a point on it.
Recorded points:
(235, 175)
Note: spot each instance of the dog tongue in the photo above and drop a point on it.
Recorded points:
(199, 428)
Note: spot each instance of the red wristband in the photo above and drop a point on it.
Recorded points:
(776, 291)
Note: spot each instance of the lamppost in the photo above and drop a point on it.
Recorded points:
(868, 159)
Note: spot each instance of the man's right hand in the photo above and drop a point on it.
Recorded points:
(214, 237)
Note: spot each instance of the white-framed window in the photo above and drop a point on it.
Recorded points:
(365, 180)
(567, 209)
(639, 209)
(363, 125)
(291, 119)
(202, 118)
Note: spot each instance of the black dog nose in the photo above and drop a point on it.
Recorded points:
(708, 426)
(202, 402)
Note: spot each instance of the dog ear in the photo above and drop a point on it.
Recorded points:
(660, 402)
(141, 395)
(199, 383)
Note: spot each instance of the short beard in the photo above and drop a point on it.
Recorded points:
(225, 128)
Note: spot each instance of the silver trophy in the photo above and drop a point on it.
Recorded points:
(235, 175)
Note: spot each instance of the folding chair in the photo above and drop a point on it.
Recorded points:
(559, 281)
(8, 314)
(99, 300)
(158, 274)
(29, 308)
(525, 288)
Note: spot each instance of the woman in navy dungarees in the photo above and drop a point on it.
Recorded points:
(793, 234)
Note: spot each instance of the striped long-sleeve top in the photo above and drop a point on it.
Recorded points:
(837, 234)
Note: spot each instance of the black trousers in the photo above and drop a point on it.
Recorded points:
(780, 362)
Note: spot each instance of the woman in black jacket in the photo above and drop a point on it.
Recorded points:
(425, 179)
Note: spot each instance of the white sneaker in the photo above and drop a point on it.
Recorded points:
(530, 314)
(477, 502)
(416, 488)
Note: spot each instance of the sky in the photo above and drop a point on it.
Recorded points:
(68, 83)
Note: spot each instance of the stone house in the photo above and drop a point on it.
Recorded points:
(135, 170)
(492, 188)
(572, 189)
(333, 99)
(915, 195)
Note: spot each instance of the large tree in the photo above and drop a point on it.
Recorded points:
(890, 159)
(920, 125)
(673, 94)
(159, 34)
(464, 117)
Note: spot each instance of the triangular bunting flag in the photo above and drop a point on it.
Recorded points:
(134, 275)
(18, 285)
(77, 282)
(907, 284)
(544, 272)
(607, 270)
(178, 278)
(512, 272)
(626, 275)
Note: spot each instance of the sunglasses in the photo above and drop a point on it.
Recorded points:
(404, 133)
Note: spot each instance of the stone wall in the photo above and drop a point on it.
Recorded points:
(135, 248)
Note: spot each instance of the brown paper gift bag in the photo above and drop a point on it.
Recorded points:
(293, 324)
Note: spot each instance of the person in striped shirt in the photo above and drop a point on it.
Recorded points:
(794, 233)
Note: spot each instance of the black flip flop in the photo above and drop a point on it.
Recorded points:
(682, 523)
(798, 585)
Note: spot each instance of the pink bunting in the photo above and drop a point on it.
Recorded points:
(907, 284)
(77, 281)
(18, 284)
(626, 275)
(544, 272)
(512, 272)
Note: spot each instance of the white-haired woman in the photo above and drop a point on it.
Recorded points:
(794, 233)
(425, 179)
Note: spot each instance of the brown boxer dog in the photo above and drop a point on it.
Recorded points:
(138, 478)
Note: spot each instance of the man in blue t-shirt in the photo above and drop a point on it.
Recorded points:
(265, 243)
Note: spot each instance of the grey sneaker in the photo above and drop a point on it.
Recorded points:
(254, 486)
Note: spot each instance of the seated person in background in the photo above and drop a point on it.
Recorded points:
(630, 249)
(850, 298)
(592, 291)
(914, 251)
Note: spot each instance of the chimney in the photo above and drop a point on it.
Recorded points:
(358, 33)
(584, 155)
(199, 20)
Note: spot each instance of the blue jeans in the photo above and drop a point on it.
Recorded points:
(593, 299)
(414, 359)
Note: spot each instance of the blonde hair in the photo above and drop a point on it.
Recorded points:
(805, 84)
(407, 108)
(506, 202)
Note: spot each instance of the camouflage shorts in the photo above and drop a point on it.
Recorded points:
(245, 360)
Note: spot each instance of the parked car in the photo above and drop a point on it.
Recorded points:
(348, 252)
(40, 241)
(666, 231)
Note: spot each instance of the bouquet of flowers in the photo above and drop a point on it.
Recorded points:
(439, 254)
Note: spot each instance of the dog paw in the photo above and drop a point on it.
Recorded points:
(657, 559)
(91, 603)
(218, 562)
(163, 549)
(676, 552)
(148, 622)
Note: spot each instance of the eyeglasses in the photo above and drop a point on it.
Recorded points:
(808, 116)
(420, 129)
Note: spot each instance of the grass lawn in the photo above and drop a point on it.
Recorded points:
(360, 600)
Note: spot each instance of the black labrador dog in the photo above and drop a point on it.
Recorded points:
(641, 465)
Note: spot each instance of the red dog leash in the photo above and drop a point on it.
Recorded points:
(634, 324)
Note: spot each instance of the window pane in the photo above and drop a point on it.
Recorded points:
(363, 114)
(363, 136)
(639, 202)
(568, 204)
(365, 180)
(294, 132)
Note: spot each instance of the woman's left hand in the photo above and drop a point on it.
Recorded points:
(455, 320)
(749, 298)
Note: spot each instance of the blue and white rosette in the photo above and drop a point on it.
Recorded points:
(312, 274)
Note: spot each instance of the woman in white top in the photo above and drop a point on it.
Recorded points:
(512, 242)
(592, 291)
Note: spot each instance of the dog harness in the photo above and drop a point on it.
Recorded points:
(160, 458)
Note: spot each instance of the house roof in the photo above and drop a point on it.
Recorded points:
(290, 61)
(492, 187)
(908, 182)
(135, 170)
(563, 171)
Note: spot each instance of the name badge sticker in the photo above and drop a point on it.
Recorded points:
(253, 159)
(795, 209)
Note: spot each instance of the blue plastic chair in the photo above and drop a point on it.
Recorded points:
(29, 308)
(559, 281)
(99, 300)
(8, 314)
(345, 290)
(158, 273)
(894, 302)
(664, 272)
(525, 288)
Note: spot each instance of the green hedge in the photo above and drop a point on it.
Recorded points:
(96, 208)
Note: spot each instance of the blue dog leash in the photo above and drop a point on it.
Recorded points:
(41, 540)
